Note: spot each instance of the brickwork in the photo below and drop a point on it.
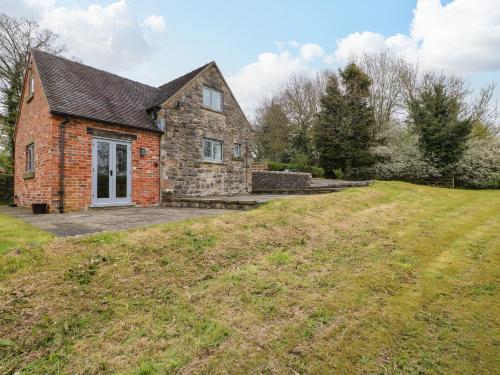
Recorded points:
(36, 125)
(78, 164)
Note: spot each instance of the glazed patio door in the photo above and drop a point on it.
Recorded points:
(111, 172)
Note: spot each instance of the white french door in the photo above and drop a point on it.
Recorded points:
(111, 172)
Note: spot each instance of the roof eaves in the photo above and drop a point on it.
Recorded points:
(60, 113)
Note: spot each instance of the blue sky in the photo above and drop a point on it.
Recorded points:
(234, 35)
(258, 44)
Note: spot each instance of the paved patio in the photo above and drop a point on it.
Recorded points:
(109, 219)
(92, 221)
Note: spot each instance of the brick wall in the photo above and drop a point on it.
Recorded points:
(36, 125)
(78, 164)
(184, 172)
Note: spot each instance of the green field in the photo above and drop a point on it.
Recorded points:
(390, 279)
(16, 234)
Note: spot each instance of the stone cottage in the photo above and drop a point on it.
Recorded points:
(88, 138)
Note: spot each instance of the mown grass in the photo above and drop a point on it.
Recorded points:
(16, 234)
(394, 278)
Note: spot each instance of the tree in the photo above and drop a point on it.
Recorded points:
(17, 37)
(300, 99)
(345, 128)
(386, 73)
(442, 134)
(285, 123)
(272, 131)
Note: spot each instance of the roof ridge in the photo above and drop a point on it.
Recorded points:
(200, 68)
(91, 67)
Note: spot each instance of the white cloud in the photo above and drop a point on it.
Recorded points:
(110, 37)
(263, 77)
(156, 23)
(461, 36)
(311, 51)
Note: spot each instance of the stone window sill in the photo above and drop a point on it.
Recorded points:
(28, 175)
(213, 110)
(213, 162)
(30, 98)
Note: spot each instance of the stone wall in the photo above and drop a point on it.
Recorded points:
(271, 180)
(184, 172)
(6, 187)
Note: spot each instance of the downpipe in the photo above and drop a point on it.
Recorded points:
(62, 127)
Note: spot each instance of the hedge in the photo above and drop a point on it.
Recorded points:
(314, 170)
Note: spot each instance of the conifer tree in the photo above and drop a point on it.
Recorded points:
(442, 134)
(345, 130)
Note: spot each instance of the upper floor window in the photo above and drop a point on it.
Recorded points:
(30, 158)
(161, 123)
(212, 98)
(237, 150)
(31, 88)
(212, 150)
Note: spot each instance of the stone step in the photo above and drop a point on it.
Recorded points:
(214, 203)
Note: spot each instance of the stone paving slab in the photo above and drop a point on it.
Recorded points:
(109, 219)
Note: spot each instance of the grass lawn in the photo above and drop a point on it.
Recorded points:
(15, 233)
(394, 278)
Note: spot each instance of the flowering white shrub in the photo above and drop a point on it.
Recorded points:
(480, 165)
(401, 159)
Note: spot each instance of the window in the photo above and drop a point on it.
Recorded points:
(161, 123)
(212, 98)
(237, 150)
(212, 150)
(30, 158)
(31, 88)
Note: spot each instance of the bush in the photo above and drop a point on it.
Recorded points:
(479, 168)
(317, 172)
(399, 160)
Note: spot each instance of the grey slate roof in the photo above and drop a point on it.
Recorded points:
(170, 88)
(79, 90)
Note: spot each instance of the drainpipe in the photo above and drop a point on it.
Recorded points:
(62, 126)
(246, 165)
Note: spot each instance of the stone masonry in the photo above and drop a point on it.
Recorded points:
(184, 172)
(272, 180)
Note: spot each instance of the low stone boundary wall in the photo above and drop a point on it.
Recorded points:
(273, 180)
(6, 187)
